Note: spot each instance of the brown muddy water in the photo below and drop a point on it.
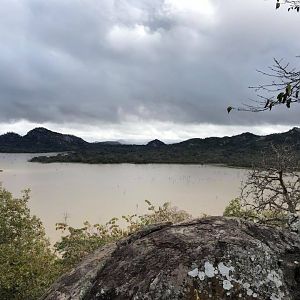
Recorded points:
(99, 192)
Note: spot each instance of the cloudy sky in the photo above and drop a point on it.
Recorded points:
(141, 69)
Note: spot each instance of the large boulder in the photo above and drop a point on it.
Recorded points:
(210, 258)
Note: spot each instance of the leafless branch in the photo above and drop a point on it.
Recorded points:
(292, 5)
(274, 185)
(282, 89)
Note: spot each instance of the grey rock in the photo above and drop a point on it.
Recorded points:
(294, 222)
(210, 258)
(78, 281)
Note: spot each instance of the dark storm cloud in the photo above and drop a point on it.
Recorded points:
(166, 60)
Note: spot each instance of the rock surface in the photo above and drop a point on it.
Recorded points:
(211, 258)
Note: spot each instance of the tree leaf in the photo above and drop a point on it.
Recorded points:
(280, 97)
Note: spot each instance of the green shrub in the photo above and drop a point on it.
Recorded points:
(235, 208)
(27, 265)
(78, 242)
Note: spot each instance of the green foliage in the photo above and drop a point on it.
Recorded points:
(27, 265)
(290, 95)
(237, 209)
(78, 242)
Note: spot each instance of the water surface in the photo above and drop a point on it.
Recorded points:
(100, 192)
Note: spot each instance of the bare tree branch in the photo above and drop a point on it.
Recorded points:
(293, 5)
(272, 189)
(283, 89)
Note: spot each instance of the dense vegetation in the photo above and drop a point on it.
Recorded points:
(27, 265)
(242, 150)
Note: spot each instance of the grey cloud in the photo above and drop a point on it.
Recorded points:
(106, 61)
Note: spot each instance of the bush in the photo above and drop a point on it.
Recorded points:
(235, 208)
(27, 265)
(78, 242)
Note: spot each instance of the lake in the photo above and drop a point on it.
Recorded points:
(99, 192)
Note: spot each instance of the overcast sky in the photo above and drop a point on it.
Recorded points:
(141, 69)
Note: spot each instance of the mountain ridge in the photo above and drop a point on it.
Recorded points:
(239, 150)
(43, 130)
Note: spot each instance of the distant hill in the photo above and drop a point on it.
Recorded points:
(156, 143)
(40, 140)
(241, 150)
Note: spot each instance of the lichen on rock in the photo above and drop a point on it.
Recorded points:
(210, 258)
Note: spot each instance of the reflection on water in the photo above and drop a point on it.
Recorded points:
(100, 192)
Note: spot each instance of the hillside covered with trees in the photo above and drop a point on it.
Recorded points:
(240, 151)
